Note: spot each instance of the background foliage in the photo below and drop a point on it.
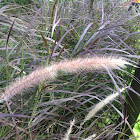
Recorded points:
(39, 33)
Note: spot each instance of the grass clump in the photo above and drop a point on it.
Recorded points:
(60, 60)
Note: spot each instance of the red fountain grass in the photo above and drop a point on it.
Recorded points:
(67, 66)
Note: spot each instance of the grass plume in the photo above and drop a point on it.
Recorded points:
(69, 130)
(91, 137)
(100, 105)
(67, 66)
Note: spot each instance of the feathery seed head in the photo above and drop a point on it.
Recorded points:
(68, 66)
(100, 105)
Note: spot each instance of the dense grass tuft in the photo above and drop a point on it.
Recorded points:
(60, 61)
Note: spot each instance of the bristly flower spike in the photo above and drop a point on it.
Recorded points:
(67, 66)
